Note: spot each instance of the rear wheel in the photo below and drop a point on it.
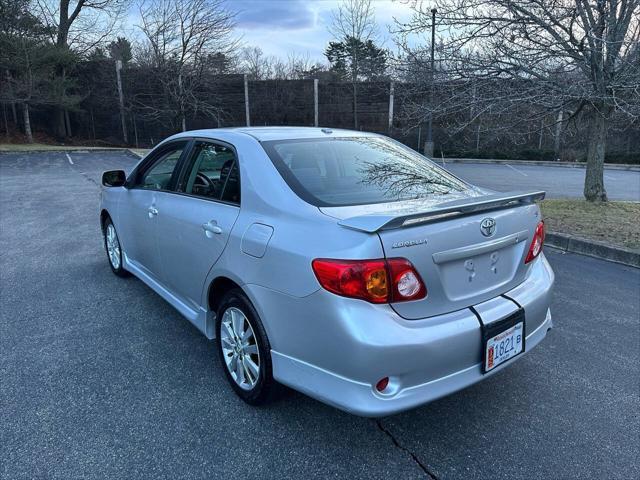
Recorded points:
(114, 251)
(244, 348)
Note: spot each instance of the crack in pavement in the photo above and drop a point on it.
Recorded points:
(397, 444)
(83, 174)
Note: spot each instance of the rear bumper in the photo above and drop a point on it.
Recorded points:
(336, 349)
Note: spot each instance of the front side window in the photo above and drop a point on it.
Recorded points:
(354, 171)
(214, 173)
(158, 177)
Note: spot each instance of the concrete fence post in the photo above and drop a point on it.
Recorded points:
(391, 88)
(246, 100)
(123, 122)
(315, 102)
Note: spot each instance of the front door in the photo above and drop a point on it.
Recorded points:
(194, 224)
(140, 207)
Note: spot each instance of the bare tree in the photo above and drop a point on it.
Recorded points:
(255, 63)
(573, 56)
(299, 66)
(353, 23)
(179, 37)
(80, 25)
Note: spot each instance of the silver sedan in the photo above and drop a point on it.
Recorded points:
(342, 264)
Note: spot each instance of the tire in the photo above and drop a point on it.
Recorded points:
(236, 309)
(113, 249)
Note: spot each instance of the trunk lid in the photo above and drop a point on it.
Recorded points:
(461, 260)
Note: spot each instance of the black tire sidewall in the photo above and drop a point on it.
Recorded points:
(263, 387)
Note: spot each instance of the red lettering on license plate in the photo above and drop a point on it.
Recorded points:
(490, 360)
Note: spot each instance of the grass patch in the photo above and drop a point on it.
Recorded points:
(617, 223)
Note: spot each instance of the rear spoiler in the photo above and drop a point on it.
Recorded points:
(375, 222)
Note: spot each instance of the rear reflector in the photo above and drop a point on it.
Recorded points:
(382, 384)
(536, 244)
(376, 281)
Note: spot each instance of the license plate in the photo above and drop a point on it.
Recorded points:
(503, 346)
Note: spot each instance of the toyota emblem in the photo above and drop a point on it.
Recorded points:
(488, 227)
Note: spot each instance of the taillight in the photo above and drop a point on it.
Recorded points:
(376, 281)
(406, 283)
(536, 244)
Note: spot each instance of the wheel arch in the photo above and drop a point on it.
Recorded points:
(217, 288)
(220, 285)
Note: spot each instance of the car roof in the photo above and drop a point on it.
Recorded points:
(276, 133)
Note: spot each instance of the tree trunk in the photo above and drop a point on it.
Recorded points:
(558, 137)
(183, 120)
(60, 121)
(14, 114)
(27, 122)
(93, 124)
(541, 134)
(594, 190)
(60, 127)
(6, 120)
(67, 122)
(135, 128)
(13, 104)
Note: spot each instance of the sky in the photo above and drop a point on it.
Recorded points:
(280, 27)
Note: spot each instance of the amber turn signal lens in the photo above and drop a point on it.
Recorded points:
(377, 284)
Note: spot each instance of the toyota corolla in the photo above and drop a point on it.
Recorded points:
(342, 264)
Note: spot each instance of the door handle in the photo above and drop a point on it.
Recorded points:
(153, 211)
(211, 227)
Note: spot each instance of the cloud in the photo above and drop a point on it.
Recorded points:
(280, 27)
(270, 14)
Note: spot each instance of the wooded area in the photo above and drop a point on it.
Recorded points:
(528, 79)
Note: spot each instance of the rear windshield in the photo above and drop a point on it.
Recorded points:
(354, 171)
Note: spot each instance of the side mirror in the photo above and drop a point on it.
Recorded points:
(114, 178)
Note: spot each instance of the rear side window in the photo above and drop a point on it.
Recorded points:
(355, 171)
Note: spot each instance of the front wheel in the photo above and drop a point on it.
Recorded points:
(244, 348)
(114, 251)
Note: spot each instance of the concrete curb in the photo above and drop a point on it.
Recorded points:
(68, 150)
(592, 248)
(128, 151)
(607, 166)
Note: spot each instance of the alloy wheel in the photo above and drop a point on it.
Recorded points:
(113, 246)
(239, 348)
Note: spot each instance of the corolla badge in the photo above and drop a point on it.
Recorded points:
(488, 226)
(409, 243)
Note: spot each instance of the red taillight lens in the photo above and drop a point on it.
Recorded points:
(536, 244)
(376, 281)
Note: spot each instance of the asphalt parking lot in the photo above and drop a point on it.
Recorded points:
(558, 182)
(100, 378)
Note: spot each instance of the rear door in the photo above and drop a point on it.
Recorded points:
(139, 208)
(194, 223)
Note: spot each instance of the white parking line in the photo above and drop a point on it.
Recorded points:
(514, 168)
(69, 158)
